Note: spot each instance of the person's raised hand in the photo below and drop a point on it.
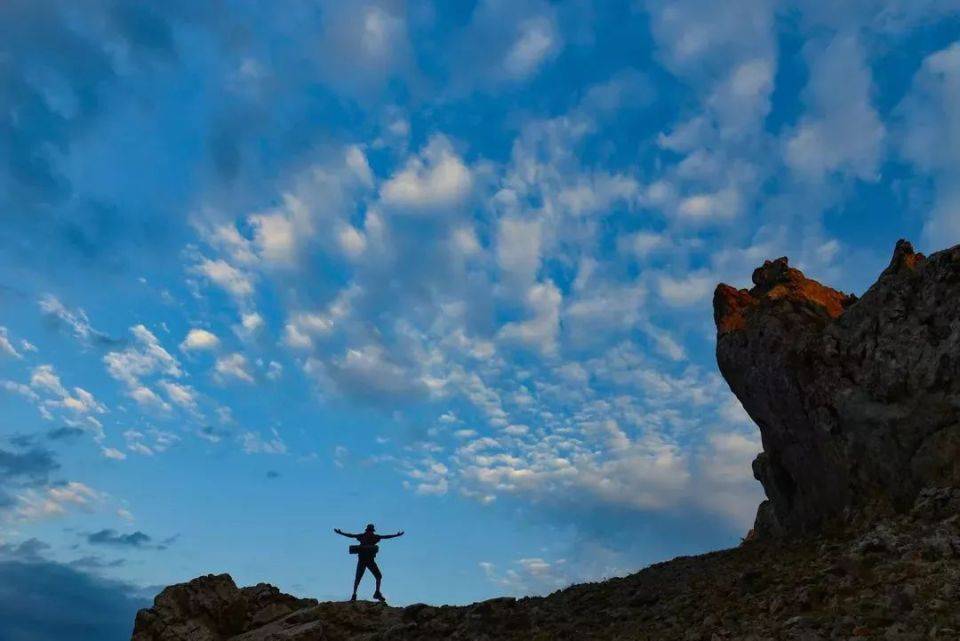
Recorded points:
(337, 530)
(400, 533)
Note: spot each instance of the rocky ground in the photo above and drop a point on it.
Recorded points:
(858, 406)
(895, 580)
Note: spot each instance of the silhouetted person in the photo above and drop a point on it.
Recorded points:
(366, 553)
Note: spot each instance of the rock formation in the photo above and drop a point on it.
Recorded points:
(212, 608)
(858, 401)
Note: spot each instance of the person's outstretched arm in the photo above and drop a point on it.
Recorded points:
(346, 534)
(391, 536)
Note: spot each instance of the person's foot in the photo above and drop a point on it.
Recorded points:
(378, 596)
(353, 598)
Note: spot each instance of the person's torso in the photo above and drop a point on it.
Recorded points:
(368, 538)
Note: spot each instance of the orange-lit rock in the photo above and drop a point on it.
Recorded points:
(857, 401)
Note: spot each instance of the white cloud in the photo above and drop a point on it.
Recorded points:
(276, 234)
(254, 443)
(56, 500)
(44, 378)
(303, 327)
(236, 282)
(536, 41)
(540, 330)
(357, 162)
(841, 131)
(370, 371)
(352, 242)
(6, 347)
(145, 357)
(233, 367)
(113, 454)
(728, 486)
(146, 397)
(152, 442)
(76, 321)
(642, 244)
(529, 576)
(199, 340)
(274, 370)
(518, 250)
(19, 388)
(361, 45)
(931, 139)
(182, 395)
(429, 478)
(719, 206)
(683, 291)
(436, 179)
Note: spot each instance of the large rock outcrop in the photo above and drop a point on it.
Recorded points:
(857, 400)
(212, 608)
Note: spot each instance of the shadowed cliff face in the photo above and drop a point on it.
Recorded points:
(858, 401)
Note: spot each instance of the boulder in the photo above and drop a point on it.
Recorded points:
(212, 608)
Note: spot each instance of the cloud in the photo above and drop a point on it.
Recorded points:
(42, 600)
(518, 250)
(113, 453)
(44, 379)
(361, 46)
(435, 180)
(687, 290)
(370, 372)
(6, 347)
(530, 576)
(505, 43)
(254, 443)
(182, 395)
(113, 538)
(199, 340)
(540, 330)
(20, 470)
(233, 367)
(76, 321)
(234, 281)
(250, 324)
(930, 138)
(536, 40)
(55, 500)
(147, 357)
(19, 388)
(841, 132)
(63, 433)
(152, 442)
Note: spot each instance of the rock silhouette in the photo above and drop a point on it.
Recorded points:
(857, 402)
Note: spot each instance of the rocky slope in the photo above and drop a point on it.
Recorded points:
(857, 402)
(897, 581)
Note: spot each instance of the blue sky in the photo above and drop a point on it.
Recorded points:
(274, 268)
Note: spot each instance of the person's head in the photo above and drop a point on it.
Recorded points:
(370, 527)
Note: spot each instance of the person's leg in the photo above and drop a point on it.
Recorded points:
(375, 571)
(361, 566)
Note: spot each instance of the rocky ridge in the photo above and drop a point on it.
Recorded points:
(857, 403)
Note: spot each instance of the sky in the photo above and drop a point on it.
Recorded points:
(268, 269)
